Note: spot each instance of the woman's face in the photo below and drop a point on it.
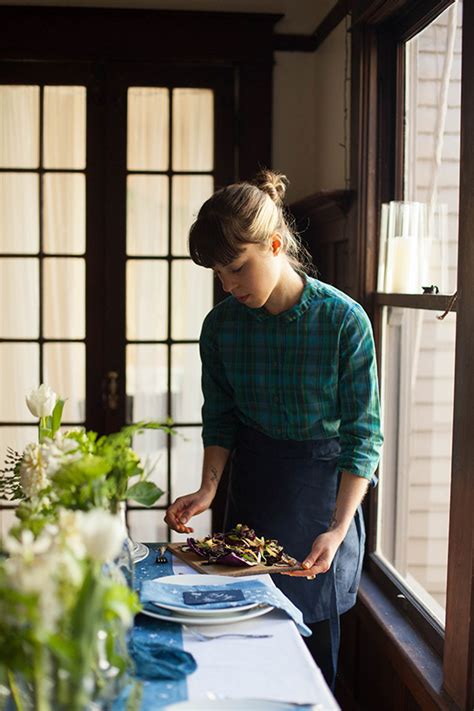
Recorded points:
(253, 275)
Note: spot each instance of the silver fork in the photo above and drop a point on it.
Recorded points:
(161, 558)
(229, 635)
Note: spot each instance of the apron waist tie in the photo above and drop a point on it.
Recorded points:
(334, 625)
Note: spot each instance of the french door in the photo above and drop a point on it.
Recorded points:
(102, 170)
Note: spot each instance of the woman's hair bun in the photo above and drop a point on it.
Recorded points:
(272, 183)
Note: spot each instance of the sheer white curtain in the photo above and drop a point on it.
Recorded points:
(63, 231)
(157, 230)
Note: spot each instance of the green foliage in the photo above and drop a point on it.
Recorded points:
(107, 472)
(10, 487)
(48, 426)
(144, 492)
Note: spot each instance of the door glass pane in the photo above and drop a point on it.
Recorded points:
(19, 373)
(192, 293)
(417, 390)
(433, 129)
(19, 126)
(148, 128)
(193, 129)
(64, 371)
(147, 382)
(64, 133)
(186, 383)
(64, 204)
(19, 296)
(19, 213)
(151, 446)
(64, 298)
(7, 520)
(147, 300)
(147, 526)
(147, 215)
(189, 193)
(186, 459)
(16, 438)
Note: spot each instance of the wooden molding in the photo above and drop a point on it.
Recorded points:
(459, 642)
(86, 33)
(324, 206)
(310, 43)
(418, 666)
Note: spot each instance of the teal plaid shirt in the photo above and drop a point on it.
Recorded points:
(307, 373)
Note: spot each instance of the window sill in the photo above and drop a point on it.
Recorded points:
(416, 662)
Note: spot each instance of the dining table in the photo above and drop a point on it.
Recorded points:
(271, 668)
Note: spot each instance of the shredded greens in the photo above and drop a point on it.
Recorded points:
(240, 546)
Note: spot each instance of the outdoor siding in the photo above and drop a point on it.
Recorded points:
(431, 412)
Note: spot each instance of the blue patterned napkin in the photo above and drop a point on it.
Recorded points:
(155, 660)
(253, 591)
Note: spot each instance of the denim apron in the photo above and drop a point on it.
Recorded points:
(287, 489)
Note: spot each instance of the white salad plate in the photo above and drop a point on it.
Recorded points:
(217, 581)
(196, 579)
(224, 619)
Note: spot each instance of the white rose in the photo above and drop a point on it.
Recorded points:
(33, 470)
(41, 401)
(102, 533)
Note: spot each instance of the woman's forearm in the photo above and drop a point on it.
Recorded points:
(215, 459)
(352, 490)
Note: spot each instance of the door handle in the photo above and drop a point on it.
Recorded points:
(110, 395)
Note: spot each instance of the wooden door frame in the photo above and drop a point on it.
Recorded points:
(233, 50)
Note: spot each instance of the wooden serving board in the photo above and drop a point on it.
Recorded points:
(198, 563)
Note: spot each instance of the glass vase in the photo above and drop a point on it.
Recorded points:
(138, 551)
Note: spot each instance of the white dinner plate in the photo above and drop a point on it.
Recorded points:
(222, 611)
(221, 620)
(218, 581)
(234, 704)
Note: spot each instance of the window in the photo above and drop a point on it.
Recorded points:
(419, 239)
(403, 122)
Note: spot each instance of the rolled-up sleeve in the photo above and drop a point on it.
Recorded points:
(360, 427)
(218, 412)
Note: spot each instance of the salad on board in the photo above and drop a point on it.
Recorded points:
(240, 546)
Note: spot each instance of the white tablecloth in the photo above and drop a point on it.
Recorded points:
(279, 668)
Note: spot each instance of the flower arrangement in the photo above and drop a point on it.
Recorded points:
(56, 604)
(76, 469)
(65, 607)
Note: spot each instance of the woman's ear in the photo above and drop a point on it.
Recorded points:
(276, 244)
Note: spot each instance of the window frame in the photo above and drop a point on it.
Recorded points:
(378, 33)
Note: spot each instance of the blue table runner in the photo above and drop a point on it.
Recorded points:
(156, 693)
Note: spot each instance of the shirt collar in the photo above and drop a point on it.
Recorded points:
(296, 311)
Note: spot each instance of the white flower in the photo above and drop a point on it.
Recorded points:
(30, 566)
(44, 567)
(41, 401)
(102, 533)
(26, 547)
(33, 470)
(70, 530)
(58, 451)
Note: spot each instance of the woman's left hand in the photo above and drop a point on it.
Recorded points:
(322, 553)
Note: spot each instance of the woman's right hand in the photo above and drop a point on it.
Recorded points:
(181, 510)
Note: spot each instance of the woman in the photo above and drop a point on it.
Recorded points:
(290, 389)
